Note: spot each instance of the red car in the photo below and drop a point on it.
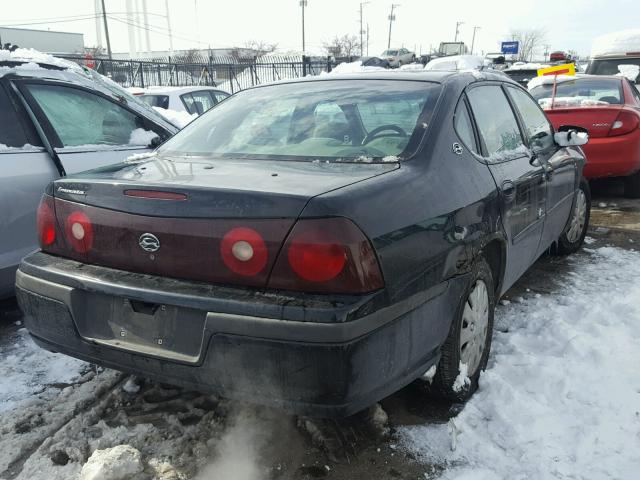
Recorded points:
(609, 108)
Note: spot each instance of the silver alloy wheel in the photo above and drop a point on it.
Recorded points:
(475, 323)
(578, 218)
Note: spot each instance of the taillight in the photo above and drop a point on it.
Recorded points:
(626, 122)
(79, 231)
(244, 251)
(46, 222)
(328, 255)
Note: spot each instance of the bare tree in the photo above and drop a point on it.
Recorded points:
(344, 46)
(95, 52)
(261, 48)
(529, 41)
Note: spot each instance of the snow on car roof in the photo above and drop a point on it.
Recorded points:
(456, 62)
(525, 66)
(550, 79)
(35, 59)
(616, 43)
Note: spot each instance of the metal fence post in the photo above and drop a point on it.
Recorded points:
(328, 63)
(304, 65)
(142, 74)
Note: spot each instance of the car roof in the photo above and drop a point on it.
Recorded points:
(159, 90)
(434, 76)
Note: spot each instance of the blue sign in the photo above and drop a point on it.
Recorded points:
(510, 48)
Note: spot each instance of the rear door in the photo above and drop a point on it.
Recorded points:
(25, 171)
(561, 168)
(520, 181)
(87, 129)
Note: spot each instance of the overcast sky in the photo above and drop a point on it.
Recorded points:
(570, 24)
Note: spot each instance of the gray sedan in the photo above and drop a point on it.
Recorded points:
(57, 118)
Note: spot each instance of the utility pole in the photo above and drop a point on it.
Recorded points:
(303, 3)
(546, 51)
(166, 7)
(361, 30)
(367, 39)
(392, 17)
(473, 41)
(458, 30)
(106, 30)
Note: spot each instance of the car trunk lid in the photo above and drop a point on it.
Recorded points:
(598, 120)
(174, 217)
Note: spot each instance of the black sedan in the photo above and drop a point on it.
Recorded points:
(315, 244)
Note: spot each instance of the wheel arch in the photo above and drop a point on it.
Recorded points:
(495, 253)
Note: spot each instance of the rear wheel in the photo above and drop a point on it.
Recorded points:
(466, 351)
(632, 186)
(573, 236)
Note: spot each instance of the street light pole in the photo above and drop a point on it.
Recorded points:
(361, 30)
(392, 17)
(458, 30)
(303, 3)
(473, 41)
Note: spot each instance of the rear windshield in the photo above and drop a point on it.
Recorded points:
(580, 92)
(390, 53)
(522, 75)
(340, 120)
(612, 66)
(161, 101)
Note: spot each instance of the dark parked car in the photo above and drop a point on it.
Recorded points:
(374, 62)
(317, 253)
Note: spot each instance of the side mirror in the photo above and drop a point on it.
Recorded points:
(571, 136)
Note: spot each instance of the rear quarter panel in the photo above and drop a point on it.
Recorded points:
(427, 219)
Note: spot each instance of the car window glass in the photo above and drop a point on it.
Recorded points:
(496, 122)
(577, 92)
(81, 118)
(220, 96)
(361, 121)
(11, 133)
(187, 100)
(464, 127)
(202, 101)
(161, 101)
(634, 91)
(538, 129)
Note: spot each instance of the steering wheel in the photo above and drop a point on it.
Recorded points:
(383, 128)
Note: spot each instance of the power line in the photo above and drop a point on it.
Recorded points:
(155, 29)
(91, 17)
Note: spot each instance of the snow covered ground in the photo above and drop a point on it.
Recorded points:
(560, 400)
(561, 395)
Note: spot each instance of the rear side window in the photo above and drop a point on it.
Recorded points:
(202, 101)
(538, 129)
(220, 96)
(497, 124)
(80, 118)
(11, 133)
(464, 127)
(613, 66)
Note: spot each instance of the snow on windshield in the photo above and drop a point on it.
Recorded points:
(559, 398)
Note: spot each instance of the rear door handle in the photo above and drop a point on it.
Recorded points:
(508, 189)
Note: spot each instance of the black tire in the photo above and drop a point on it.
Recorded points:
(448, 368)
(632, 186)
(568, 242)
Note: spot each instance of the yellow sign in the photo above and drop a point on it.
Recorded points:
(566, 69)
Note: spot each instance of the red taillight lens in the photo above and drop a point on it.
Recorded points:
(79, 231)
(244, 251)
(315, 256)
(626, 122)
(327, 255)
(46, 222)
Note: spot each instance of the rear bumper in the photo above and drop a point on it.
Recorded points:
(308, 356)
(612, 156)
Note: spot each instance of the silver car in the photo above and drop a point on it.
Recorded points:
(398, 57)
(57, 118)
